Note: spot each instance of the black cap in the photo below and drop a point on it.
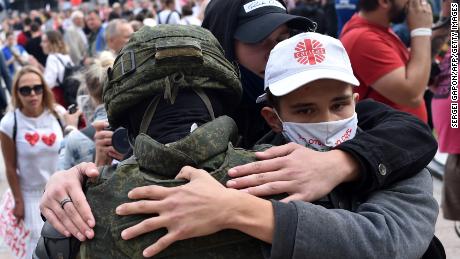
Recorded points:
(257, 19)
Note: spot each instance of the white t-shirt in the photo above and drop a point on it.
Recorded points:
(173, 19)
(54, 69)
(190, 20)
(38, 141)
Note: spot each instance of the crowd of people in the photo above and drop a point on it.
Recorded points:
(332, 100)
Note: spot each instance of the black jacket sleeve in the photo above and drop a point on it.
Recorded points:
(393, 146)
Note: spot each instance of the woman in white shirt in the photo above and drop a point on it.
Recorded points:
(30, 137)
(58, 58)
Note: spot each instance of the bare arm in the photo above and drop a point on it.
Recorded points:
(9, 156)
(406, 85)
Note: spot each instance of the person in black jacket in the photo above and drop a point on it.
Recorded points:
(33, 46)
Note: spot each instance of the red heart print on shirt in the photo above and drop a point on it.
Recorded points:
(49, 140)
(32, 138)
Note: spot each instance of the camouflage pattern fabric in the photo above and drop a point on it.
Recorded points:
(208, 147)
(163, 60)
(156, 62)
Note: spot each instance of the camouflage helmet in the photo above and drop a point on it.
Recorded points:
(160, 61)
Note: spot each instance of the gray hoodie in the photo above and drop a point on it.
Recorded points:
(395, 222)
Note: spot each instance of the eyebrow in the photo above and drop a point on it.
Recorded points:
(301, 105)
(342, 98)
(336, 99)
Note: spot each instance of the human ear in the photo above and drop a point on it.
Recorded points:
(356, 97)
(272, 119)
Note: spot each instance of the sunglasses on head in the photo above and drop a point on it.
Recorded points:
(27, 90)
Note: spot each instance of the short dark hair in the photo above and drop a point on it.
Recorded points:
(48, 15)
(187, 10)
(38, 20)
(95, 12)
(114, 15)
(27, 21)
(273, 101)
(34, 27)
(368, 5)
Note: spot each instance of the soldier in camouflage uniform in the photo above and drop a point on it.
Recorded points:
(157, 66)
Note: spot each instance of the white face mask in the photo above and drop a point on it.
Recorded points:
(321, 136)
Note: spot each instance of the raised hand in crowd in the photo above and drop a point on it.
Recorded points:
(105, 153)
(72, 119)
(419, 14)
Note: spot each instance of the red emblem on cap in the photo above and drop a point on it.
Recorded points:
(310, 52)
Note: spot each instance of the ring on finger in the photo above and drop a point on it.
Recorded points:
(64, 201)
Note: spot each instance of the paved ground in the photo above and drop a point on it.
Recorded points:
(444, 228)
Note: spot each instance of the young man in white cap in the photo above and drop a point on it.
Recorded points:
(308, 82)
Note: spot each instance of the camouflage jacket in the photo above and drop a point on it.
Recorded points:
(208, 147)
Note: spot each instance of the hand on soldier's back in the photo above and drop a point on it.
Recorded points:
(75, 218)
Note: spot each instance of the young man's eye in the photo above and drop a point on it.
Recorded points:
(305, 111)
(338, 106)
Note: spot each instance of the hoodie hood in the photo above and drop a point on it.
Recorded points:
(221, 18)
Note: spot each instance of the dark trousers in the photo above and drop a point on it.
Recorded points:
(451, 189)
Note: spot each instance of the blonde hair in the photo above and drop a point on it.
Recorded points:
(95, 75)
(56, 42)
(48, 97)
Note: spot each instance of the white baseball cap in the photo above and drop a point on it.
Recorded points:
(304, 58)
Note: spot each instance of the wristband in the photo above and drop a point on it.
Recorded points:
(420, 32)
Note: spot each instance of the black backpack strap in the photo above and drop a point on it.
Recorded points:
(58, 120)
(60, 60)
(65, 66)
(15, 126)
(169, 16)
